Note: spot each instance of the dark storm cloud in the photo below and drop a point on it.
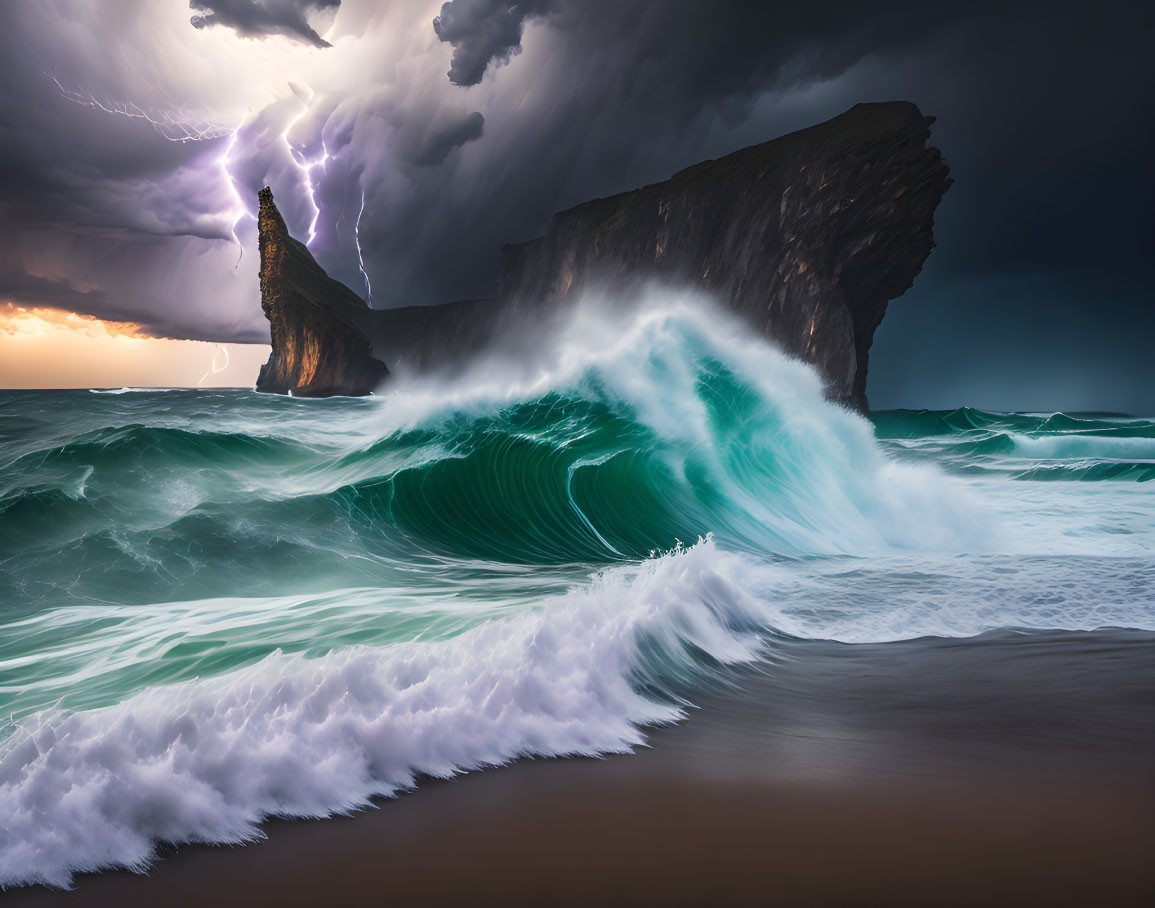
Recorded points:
(26, 290)
(608, 96)
(482, 31)
(1043, 116)
(441, 138)
(263, 18)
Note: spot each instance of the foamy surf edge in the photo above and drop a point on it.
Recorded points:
(208, 761)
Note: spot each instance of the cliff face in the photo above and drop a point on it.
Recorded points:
(806, 237)
(317, 351)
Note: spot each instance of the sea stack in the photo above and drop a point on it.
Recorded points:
(806, 237)
(316, 351)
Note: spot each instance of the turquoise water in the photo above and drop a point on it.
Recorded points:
(217, 606)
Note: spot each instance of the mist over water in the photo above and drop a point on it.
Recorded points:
(219, 606)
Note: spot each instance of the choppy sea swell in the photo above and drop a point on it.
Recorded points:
(221, 606)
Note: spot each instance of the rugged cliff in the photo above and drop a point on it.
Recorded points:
(807, 237)
(317, 351)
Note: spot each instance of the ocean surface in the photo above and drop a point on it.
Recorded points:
(218, 606)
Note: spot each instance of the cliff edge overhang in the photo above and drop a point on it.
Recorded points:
(807, 238)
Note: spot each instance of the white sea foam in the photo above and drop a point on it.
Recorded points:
(904, 597)
(206, 761)
(127, 390)
(1080, 446)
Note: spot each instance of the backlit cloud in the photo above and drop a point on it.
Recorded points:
(38, 321)
(262, 18)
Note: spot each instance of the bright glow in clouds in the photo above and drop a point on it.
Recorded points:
(351, 137)
(48, 348)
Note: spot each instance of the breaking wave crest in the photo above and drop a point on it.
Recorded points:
(207, 761)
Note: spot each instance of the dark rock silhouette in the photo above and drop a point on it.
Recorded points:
(316, 351)
(806, 237)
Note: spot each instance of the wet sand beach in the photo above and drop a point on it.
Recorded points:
(1008, 769)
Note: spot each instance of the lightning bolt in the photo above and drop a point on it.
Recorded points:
(176, 125)
(306, 168)
(239, 209)
(171, 125)
(213, 370)
(360, 258)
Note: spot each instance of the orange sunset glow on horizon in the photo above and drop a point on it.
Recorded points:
(42, 347)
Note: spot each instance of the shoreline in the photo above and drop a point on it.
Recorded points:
(607, 832)
(1012, 769)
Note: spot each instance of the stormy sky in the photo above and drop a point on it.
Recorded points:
(408, 140)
